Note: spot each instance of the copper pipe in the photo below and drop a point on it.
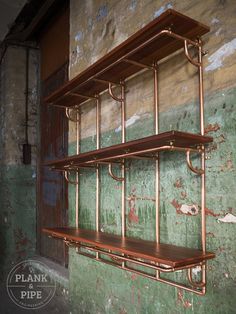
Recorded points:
(105, 82)
(97, 169)
(68, 180)
(193, 283)
(165, 147)
(201, 93)
(77, 173)
(203, 155)
(123, 172)
(157, 170)
(68, 115)
(81, 95)
(110, 162)
(110, 91)
(190, 59)
(139, 64)
(113, 175)
(177, 285)
(190, 165)
(128, 259)
(161, 33)
(144, 157)
(138, 262)
(71, 168)
(203, 201)
(139, 272)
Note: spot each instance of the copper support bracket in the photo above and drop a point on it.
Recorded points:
(110, 170)
(68, 180)
(139, 64)
(190, 59)
(82, 95)
(112, 94)
(190, 165)
(199, 284)
(105, 81)
(69, 116)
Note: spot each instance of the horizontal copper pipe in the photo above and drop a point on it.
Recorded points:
(166, 147)
(139, 272)
(131, 260)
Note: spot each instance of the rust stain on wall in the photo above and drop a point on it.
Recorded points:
(178, 183)
(176, 204)
(180, 300)
(212, 128)
(210, 212)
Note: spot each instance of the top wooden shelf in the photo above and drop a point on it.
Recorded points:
(158, 39)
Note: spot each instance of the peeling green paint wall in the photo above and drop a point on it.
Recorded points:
(17, 181)
(99, 288)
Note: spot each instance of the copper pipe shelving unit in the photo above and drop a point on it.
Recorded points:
(165, 35)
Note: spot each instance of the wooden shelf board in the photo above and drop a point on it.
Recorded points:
(179, 139)
(167, 254)
(156, 50)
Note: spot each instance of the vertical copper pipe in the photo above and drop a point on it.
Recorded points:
(157, 187)
(97, 169)
(123, 185)
(77, 173)
(203, 155)
(201, 94)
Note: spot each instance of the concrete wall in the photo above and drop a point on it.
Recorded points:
(96, 28)
(17, 181)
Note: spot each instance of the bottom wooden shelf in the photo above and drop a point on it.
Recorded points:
(169, 256)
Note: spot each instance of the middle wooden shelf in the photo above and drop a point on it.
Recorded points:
(140, 148)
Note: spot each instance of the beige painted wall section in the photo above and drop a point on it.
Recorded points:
(98, 26)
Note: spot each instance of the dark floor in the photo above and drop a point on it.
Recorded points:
(58, 304)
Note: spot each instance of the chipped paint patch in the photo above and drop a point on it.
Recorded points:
(188, 210)
(78, 36)
(229, 218)
(217, 58)
(184, 209)
(218, 31)
(196, 270)
(212, 127)
(102, 12)
(129, 122)
(162, 9)
(214, 21)
(133, 5)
